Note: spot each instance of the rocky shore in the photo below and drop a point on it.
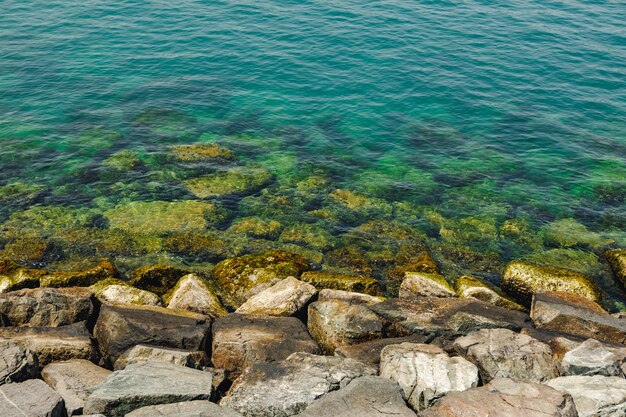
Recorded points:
(269, 337)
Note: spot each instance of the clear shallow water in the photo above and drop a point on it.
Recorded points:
(479, 113)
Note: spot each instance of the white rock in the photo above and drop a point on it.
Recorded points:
(192, 294)
(285, 298)
(425, 285)
(594, 358)
(126, 294)
(597, 396)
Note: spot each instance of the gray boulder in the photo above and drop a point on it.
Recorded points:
(46, 306)
(147, 384)
(594, 358)
(425, 372)
(352, 297)
(240, 341)
(369, 352)
(192, 294)
(16, 363)
(72, 379)
(338, 323)
(142, 354)
(594, 396)
(501, 353)
(505, 398)
(369, 396)
(286, 388)
(52, 344)
(284, 298)
(32, 398)
(185, 409)
(121, 327)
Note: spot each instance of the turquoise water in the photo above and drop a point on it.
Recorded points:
(459, 116)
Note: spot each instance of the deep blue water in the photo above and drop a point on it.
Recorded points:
(470, 109)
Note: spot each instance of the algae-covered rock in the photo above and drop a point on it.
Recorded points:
(361, 206)
(469, 230)
(569, 232)
(587, 263)
(123, 161)
(115, 291)
(308, 234)
(420, 261)
(158, 279)
(14, 276)
(48, 220)
(199, 152)
(518, 230)
(617, 260)
(192, 293)
(239, 275)
(164, 216)
(469, 286)
(351, 259)
(93, 141)
(164, 123)
(257, 227)
(198, 245)
(20, 193)
(240, 180)
(103, 270)
(523, 279)
(416, 284)
(334, 281)
(28, 250)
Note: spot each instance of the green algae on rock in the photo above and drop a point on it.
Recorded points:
(257, 227)
(103, 270)
(20, 193)
(419, 284)
(617, 260)
(48, 220)
(334, 281)
(569, 232)
(29, 250)
(587, 263)
(123, 161)
(14, 276)
(360, 206)
(115, 291)
(239, 180)
(93, 141)
(164, 216)
(310, 235)
(469, 286)
(239, 275)
(198, 245)
(158, 279)
(199, 152)
(523, 279)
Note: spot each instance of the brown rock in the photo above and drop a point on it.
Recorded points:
(617, 260)
(369, 352)
(158, 279)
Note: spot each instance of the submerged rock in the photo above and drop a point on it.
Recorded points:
(569, 232)
(425, 372)
(14, 277)
(201, 152)
(365, 396)
(505, 398)
(501, 353)
(32, 398)
(522, 280)
(164, 216)
(147, 384)
(240, 341)
(103, 270)
(257, 227)
(45, 307)
(115, 291)
(29, 250)
(617, 260)
(158, 279)
(286, 388)
(308, 235)
(72, 380)
(240, 180)
(337, 323)
(594, 395)
(143, 353)
(239, 275)
(417, 284)
(285, 298)
(191, 293)
(334, 281)
(468, 286)
(361, 206)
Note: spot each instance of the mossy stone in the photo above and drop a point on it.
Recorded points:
(360, 206)
(349, 258)
(617, 260)
(587, 263)
(48, 220)
(469, 286)
(240, 180)
(422, 262)
(333, 281)
(124, 294)
(19, 193)
(308, 235)
(29, 250)
(569, 232)
(14, 276)
(93, 141)
(523, 279)
(257, 227)
(200, 152)
(123, 161)
(103, 270)
(158, 279)
(164, 216)
(197, 245)
(518, 231)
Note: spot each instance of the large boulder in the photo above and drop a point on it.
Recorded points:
(120, 327)
(442, 320)
(32, 398)
(353, 283)
(142, 354)
(425, 372)
(369, 352)
(191, 293)
(369, 396)
(617, 260)
(338, 323)
(286, 388)
(239, 276)
(594, 395)
(285, 298)
(13, 276)
(185, 409)
(115, 291)
(103, 270)
(45, 306)
(419, 284)
(240, 341)
(349, 296)
(505, 398)
(576, 315)
(52, 344)
(469, 286)
(146, 384)
(72, 380)
(158, 279)
(17, 363)
(501, 353)
(523, 279)
(594, 358)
